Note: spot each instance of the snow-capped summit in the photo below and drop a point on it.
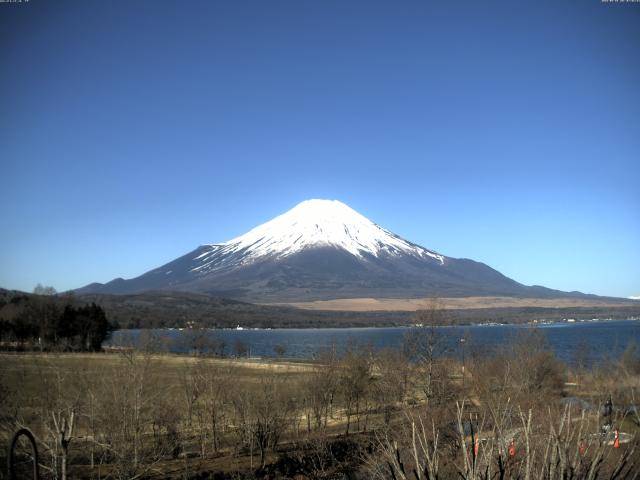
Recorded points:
(318, 250)
(315, 223)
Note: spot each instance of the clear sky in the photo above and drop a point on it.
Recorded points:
(506, 132)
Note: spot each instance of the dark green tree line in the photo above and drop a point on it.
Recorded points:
(49, 322)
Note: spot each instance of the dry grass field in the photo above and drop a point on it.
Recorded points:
(140, 414)
(414, 304)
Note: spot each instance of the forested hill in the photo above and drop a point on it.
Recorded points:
(181, 309)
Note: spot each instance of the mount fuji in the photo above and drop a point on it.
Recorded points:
(322, 250)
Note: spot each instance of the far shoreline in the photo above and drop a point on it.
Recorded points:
(542, 323)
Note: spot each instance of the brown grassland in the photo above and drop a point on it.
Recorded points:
(453, 303)
(362, 414)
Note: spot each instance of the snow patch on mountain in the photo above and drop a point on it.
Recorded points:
(311, 224)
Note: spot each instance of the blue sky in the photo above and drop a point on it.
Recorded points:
(506, 132)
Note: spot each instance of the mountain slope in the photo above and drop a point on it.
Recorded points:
(322, 250)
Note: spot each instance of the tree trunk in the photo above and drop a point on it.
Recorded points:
(64, 432)
(63, 464)
(348, 420)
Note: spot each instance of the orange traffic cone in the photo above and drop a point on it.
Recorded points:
(616, 440)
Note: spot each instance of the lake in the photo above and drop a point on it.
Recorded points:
(597, 341)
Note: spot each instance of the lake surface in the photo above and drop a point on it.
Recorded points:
(597, 341)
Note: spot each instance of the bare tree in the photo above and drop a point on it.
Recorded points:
(62, 431)
(240, 348)
(59, 406)
(391, 373)
(132, 410)
(280, 349)
(192, 383)
(419, 461)
(40, 289)
(424, 345)
(354, 382)
(206, 391)
(263, 413)
(319, 388)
